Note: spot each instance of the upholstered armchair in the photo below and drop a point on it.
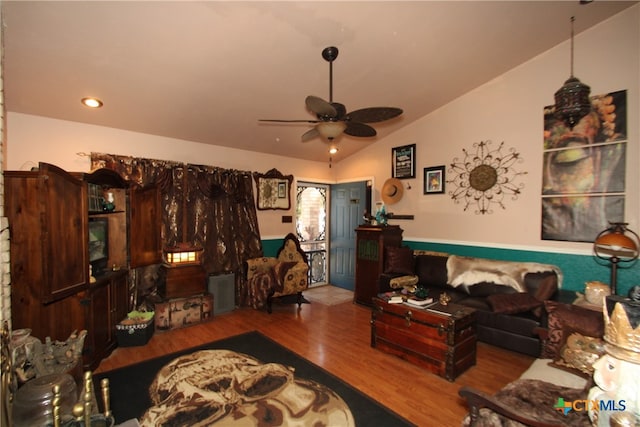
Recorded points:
(284, 275)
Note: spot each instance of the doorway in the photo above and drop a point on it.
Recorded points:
(311, 228)
(330, 245)
(349, 201)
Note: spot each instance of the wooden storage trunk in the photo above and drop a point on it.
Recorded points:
(182, 281)
(445, 344)
(179, 312)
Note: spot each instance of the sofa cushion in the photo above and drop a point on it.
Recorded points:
(519, 324)
(398, 260)
(561, 317)
(519, 302)
(484, 289)
(432, 270)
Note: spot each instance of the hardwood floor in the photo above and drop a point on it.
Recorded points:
(337, 338)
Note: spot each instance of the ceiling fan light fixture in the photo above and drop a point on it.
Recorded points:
(332, 119)
(572, 101)
(331, 130)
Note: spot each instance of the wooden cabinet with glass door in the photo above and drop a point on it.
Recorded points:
(370, 244)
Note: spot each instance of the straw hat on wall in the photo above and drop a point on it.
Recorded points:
(392, 191)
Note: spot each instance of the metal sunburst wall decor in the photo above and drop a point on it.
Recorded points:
(484, 177)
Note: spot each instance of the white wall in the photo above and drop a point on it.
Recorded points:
(33, 139)
(510, 109)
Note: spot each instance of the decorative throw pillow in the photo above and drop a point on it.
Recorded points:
(561, 317)
(579, 353)
(398, 260)
(513, 303)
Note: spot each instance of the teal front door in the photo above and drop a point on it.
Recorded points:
(348, 203)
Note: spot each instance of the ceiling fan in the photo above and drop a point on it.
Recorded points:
(332, 117)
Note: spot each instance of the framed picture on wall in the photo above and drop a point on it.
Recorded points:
(403, 161)
(274, 190)
(434, 180)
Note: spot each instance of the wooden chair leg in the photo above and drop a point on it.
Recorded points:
(299, 300)
(269, 301)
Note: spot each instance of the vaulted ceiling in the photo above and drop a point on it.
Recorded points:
(207, 71)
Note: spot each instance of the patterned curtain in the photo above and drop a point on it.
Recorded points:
(202, 205)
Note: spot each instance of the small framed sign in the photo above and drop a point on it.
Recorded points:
(403, 162)
(434, 180)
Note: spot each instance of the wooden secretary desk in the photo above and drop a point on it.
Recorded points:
(370, 243)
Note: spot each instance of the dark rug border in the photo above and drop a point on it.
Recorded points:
(401, 421)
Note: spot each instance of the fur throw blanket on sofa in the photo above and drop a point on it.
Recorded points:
(534, 400)
(467, 271)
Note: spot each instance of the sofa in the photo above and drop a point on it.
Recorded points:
(507, 295)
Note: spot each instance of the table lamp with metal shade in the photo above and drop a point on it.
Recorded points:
(616, 244)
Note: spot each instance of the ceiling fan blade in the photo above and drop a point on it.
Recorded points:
(320, 106)
(310, 134)
(374, 114)
(289, 121)
(341, 110)
(359, 129)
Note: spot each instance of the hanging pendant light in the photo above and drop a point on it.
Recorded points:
(572, 99)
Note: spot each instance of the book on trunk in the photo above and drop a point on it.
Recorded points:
(419, 302)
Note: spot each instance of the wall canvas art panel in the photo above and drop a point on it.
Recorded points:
(583, 184)
(571, 218)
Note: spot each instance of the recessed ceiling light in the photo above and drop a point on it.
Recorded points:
(91, 102)
(333, 150)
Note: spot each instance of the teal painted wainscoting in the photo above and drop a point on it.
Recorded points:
(576, 269)
(270, 247)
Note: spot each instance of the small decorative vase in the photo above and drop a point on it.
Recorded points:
(108, 204)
